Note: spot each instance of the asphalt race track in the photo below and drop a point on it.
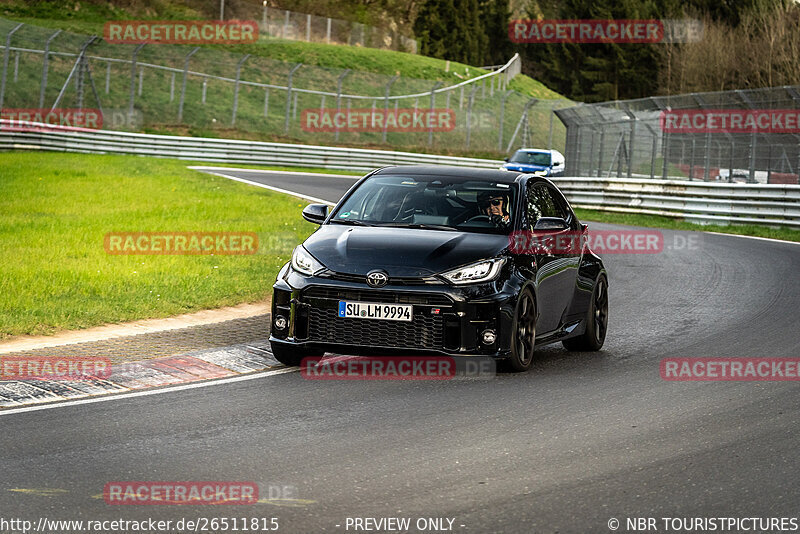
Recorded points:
(579, 440)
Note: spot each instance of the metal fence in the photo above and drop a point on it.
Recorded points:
(284, 24)
(628, 139)
(205, 90)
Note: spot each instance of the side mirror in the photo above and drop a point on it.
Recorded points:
(552, 224)
(315, 213)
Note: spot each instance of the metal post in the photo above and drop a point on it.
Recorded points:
(45, 66)
(266, 102)
(469, 112)
(730, 169)
(221, 9)
(433, 102)
(141, 80)
(502, 119)
(461, 98)
(308, 28)
(653, 158)
(205, 87)
(183, 83)
(387, 90)
(294, 106)
(236, 87)
(665, 154)
(289, 91)
(108, 76)
(5, 63)
(172, 87)
(691, 162)
(600, 152)
(286, 24)
(264, 18)
(550, 136)
(16, 66)
(632, 143)
(339, 81)
(133, 78)
(75, 68)
(769, 164)
(328, 32)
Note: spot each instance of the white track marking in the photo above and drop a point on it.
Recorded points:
(755, 237)
(149, 392)
(277, 189)
(264, 171)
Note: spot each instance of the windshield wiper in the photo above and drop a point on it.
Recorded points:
(354, 222)
(422, 226)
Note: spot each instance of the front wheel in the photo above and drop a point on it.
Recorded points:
(596, 321)
(524, 330)
(292, 356)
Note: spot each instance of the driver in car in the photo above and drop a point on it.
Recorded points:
(494, 206)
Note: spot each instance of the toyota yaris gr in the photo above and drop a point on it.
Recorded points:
(420, 260)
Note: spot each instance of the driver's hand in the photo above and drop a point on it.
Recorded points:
(499, 221)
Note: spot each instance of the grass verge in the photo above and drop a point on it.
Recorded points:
(57, 209)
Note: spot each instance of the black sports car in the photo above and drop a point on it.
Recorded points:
(420, 260)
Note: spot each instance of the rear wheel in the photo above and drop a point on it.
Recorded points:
(596, 321)
(292, 356)
(524, 329)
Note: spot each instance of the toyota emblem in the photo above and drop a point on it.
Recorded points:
(377, 278)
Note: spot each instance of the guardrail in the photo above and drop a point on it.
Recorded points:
(703, 202)
(49, 138)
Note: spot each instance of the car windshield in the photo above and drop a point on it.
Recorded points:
(436, 203)
(533, 158)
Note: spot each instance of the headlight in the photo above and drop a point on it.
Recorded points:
(540, 173)
(481, 271)
(305, 263)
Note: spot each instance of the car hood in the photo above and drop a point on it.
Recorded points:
(525, 167)
(401, 252)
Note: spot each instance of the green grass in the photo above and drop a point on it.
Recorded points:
(57, 209)
(657, 221)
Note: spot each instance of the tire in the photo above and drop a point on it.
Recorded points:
(596, 321)
(291, 356)
(524, 335)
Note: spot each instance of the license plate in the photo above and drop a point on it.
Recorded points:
(375, 310)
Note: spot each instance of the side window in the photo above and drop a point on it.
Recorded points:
(540, 204)
(558, 204)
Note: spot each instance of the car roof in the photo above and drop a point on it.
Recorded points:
(489, 175)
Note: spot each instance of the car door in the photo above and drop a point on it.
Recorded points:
(556, 266)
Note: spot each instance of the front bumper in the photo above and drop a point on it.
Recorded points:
(446, 319)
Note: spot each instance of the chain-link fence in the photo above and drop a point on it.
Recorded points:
(201, 91)
(748, 136)
(284, 24)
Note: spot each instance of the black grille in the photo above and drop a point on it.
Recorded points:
(423, 332)
(389, 297)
